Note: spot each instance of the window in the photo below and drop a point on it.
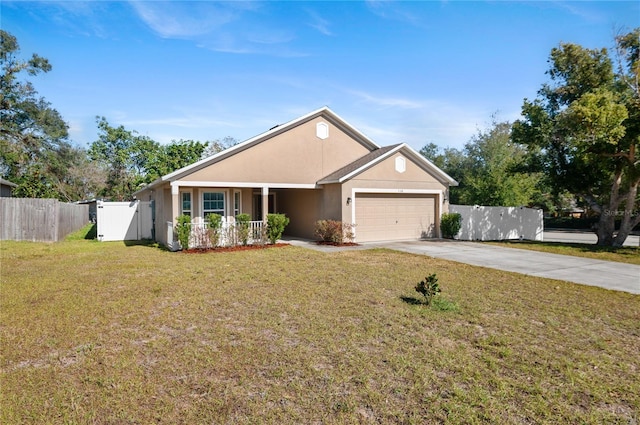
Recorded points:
(213, 202)
(236, 203)
(185, 204)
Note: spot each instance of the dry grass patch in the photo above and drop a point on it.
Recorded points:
(107, 333)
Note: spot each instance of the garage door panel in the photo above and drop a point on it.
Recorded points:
(394, 216)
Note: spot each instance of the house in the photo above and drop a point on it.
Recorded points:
(6, 188)
(312, 168)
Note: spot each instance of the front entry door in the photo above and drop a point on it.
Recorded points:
(257, 206)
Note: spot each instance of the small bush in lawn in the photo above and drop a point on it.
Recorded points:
(450, 224)
(275, 226)
(429, 288)
(242, 228)
(183, 230)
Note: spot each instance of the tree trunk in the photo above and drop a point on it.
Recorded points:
(605, 228)
(628, 219)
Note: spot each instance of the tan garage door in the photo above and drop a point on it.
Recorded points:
(385, 216)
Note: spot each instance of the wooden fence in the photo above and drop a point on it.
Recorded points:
(40, 220)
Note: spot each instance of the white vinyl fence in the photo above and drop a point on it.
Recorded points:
(498, 223)
(124, 221)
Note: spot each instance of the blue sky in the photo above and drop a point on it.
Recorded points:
(415, 72)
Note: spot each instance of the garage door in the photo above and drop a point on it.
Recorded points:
(386, 216)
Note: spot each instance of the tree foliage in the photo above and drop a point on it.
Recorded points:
(488, 169)
(133, 160)
(583, 131)
(124, 154)
(34, 150)
(171, 157)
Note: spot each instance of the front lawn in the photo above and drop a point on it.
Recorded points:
(108, 333)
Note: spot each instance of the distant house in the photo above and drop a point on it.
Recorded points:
(6, 188)
(314, 167)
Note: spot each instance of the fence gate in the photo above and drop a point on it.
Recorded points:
(124, 221)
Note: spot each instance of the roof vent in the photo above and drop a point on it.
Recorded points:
(322, 130)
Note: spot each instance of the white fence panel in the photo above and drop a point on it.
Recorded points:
(498, 223)
(145, 220)
(124, 221)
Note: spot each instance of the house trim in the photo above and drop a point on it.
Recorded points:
(423, 162)
(183, 183)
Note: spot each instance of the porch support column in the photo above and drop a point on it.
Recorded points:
(265, 203)
(175, 203)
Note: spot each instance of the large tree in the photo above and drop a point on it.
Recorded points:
(34, 150)
(124, 154)
(488, 169)
(133, 160)
(583, 131)
(173, 156)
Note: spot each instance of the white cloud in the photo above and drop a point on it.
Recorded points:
(319, 23)
(385, 101)
(184, 19)
(393, 10)
(218, 26)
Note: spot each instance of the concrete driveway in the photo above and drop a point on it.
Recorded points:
(586, 271)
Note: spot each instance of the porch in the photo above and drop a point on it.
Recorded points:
(230, 233)
(302, 205)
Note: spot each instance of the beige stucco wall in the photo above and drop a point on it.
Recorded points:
(303, 207)
(414, 176)
(295, 156)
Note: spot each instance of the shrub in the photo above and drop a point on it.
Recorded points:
(215, 226)
(183, 230)
(450, 224)
(334, 231)
(329, 230)
(348, 233)
(275, 226)
(242, 228)
(429, 288)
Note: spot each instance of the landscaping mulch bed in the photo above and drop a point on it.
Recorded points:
(233, 248)
(329, 243)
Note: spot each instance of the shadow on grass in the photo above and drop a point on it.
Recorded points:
(411, 300)
(437, 304)
(148, 243)
(92, 233)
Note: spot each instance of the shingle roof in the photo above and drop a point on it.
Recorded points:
(358, 163)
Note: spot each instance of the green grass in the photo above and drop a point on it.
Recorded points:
(107, 333)
(626, 254)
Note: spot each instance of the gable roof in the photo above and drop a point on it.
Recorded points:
(325, 112)
(364, 162)
(358, 166)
